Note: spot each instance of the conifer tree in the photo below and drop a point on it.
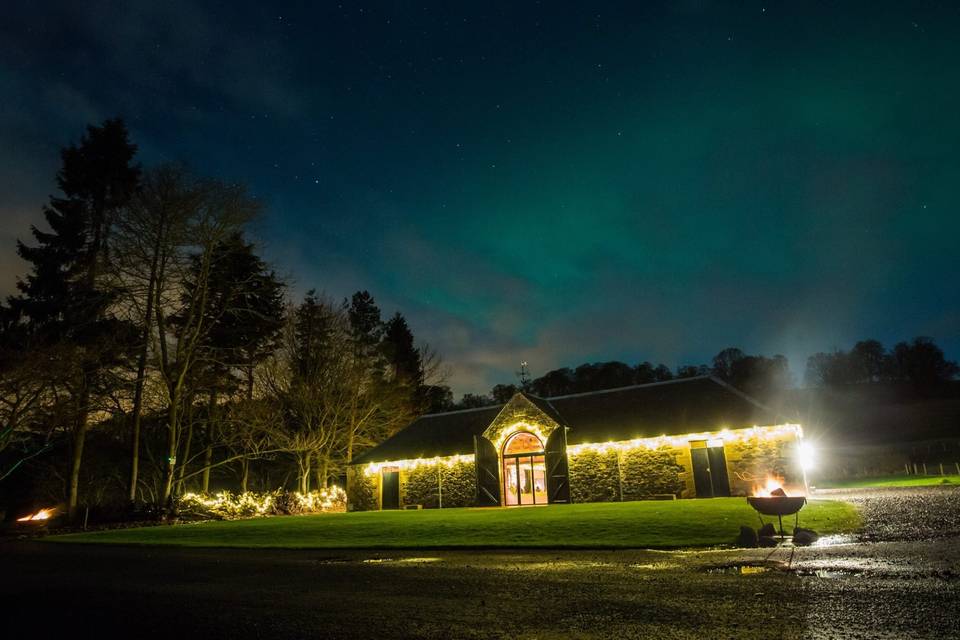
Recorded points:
(66, 295)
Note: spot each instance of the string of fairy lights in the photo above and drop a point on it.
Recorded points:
(724, 436)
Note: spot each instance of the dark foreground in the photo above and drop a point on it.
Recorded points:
(892, 589)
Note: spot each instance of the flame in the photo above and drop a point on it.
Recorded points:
(43, 514)
(771, 485)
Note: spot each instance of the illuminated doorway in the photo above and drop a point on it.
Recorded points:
(524, 470)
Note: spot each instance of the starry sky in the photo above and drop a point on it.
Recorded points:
(541, 181)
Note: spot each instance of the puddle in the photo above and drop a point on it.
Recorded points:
(655, 566)
(835, 540)
(740, 569)
(829, 574)
(892, 573)
(560, 565)
(399, 560)
(376, 560)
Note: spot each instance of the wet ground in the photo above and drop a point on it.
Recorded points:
(902, 582)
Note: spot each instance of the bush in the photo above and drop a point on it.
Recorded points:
(228, 506)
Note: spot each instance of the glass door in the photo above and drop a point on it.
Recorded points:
(539, 480)
(524, 480)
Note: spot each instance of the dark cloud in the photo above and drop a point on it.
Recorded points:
(635, 181)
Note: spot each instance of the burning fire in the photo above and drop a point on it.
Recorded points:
(771, 485)
(43, 514)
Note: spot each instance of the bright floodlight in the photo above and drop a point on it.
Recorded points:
(807, 456)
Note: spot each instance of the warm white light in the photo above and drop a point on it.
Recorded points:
(807, 456)
(43, 514)
(726, 436)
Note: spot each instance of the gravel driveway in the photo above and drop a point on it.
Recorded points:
(900, 581)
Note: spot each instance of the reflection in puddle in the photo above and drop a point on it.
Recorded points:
(655, 566)
(740, 569)
(561, 565)
(336, 560)
(829, 573)
(834, 540)
(399, 560)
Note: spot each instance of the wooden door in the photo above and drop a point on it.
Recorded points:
(701, 470)
(487, 465)
(558, 472)
(390, 492)
(718, 471)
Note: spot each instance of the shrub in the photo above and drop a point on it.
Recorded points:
(228, 506)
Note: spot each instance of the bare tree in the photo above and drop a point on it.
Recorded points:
(181, 297)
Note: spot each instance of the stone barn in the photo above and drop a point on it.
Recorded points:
(689, 438)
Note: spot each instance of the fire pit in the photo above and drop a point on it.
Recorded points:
(779, 504)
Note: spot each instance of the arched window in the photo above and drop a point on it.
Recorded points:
(522, 442)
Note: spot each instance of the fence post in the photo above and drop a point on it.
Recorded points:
(439, 486)
(619, 474)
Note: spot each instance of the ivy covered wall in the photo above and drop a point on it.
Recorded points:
(419, 485)
(429, 485)
(363, 491)
(649, 472)
(594, 476)
(459, 485)
(639, 473)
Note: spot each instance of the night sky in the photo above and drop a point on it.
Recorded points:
(541, 181)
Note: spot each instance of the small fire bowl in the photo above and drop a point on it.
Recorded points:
(777, 505)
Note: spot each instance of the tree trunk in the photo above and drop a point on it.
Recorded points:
(79, 438)
(207, 461)
(186, 455)
(305, 473)
(208, 452)
(172, 419)
(325, 472)
(244, 474)
(142, 366)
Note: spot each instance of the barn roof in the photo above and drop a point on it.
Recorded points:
(662, 408)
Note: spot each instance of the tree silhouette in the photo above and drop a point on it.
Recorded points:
(66, 295)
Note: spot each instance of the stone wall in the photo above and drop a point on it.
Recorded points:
(749, 462)
(519, 414)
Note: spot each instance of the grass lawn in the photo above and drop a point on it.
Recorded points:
(891, 481)
(653, 524)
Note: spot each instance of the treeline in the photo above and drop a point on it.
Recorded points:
(149, 328)
(919, 362)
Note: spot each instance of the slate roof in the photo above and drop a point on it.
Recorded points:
(662, 408)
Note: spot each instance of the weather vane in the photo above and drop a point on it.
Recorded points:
(524, 375)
